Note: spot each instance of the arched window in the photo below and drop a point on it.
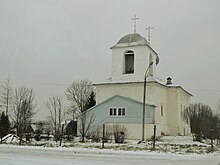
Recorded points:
(129, 62)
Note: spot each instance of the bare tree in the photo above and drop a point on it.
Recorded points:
(6, 96)
(200, 117)
(23, 109)
(57, 114)
(78, 93)
(85, 119)
(72, 111)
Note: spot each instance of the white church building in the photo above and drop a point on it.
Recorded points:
(120, 98)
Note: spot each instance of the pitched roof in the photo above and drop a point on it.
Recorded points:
(126, 98)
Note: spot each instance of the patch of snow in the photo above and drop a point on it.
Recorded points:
(180, 140)
(25, 155)
(11, 138)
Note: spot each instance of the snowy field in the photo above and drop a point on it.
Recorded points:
(26, 155)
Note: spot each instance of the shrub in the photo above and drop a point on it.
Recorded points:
(120, 133)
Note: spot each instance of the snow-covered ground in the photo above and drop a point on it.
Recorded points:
(32, 155)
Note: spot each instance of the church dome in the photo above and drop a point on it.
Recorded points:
(131, 40)
(135, 37)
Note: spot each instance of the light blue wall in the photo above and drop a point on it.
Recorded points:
(133, 112)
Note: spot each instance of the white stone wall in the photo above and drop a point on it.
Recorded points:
(177, 99)
(141, 62)
(134, 131)
(170, 98)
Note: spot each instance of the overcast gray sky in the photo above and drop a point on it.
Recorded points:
(47, 44)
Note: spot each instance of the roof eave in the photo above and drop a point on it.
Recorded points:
(130, 45)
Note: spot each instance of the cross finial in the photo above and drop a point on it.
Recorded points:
(149, 28)
(134, 19)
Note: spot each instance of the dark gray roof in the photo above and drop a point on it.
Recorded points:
(135, 37)
(131, 40)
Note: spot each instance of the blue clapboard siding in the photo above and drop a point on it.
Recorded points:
(133, 112)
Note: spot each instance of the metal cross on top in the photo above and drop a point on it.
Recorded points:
(149, 28)
(134, 19)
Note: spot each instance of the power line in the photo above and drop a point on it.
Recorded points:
(204, 90)
(67, 84)
(42, 84)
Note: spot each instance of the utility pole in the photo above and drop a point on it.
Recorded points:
(144, 99)
(154, 138)
(61, 136)
(212, 136)
(103, 136)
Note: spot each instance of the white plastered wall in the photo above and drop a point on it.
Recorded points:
(170, 99)
(141, 62)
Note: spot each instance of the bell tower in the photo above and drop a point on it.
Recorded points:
(131, 56)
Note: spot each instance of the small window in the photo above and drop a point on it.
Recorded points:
(123, 111)
(161, 110)
(110, 111)
(115, 112)
(119, 112)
